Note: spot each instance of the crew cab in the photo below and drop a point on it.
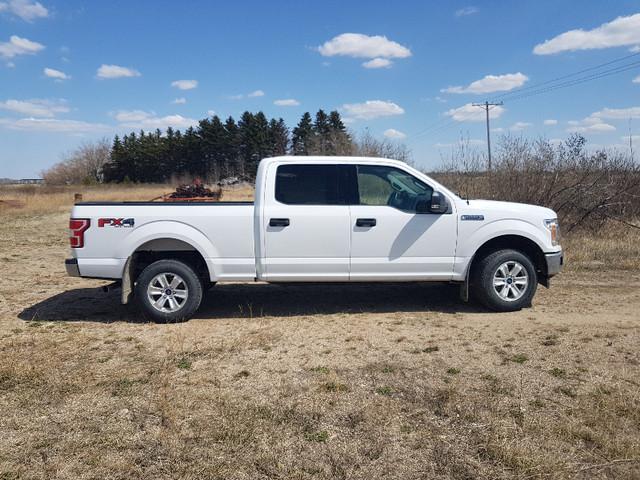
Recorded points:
(318, 219)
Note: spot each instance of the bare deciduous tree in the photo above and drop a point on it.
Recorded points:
(585, 188)
(81, 165)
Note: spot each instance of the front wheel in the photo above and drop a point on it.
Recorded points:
(168, 291)
(505, 281)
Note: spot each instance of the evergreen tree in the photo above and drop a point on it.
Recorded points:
(278, 138)
(341, 142)
(302, 135)
(192, 154)
(254, 141)
(231, 156)
(321, 134)
(212, 137)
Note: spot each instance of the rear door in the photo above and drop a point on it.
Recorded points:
(307, 228)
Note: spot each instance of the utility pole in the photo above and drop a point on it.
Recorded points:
(486, 106)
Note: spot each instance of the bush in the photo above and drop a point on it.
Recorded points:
(585, 189)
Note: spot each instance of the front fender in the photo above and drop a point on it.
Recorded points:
(474, 238)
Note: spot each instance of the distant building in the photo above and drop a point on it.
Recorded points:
(22, 181)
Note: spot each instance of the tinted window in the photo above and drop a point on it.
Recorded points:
(307, 184)
(393, 187)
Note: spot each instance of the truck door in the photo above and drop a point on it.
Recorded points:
(306, 230)
(393, 234)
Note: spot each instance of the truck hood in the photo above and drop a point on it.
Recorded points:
(492, 207)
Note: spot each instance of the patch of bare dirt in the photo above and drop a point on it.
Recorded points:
(312, 381)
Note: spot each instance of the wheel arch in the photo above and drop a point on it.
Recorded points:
(515, 242)
(159, 249)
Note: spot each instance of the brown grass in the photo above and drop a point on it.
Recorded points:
(317, 382)
(41, 199)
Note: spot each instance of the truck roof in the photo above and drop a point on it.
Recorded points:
(329, 159)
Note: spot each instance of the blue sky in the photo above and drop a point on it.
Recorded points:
(75, 71)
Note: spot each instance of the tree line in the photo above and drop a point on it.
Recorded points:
(216, 149)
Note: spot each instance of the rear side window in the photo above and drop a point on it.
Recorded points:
(307, 184)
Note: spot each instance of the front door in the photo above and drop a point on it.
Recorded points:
(390, 238)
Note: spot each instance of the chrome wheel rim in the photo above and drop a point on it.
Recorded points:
(167, 292)
(510, 281)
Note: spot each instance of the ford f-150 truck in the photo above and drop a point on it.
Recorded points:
(318, 219)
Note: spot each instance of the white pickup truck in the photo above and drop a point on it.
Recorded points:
(318, 219)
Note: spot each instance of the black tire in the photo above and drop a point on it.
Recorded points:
(168, 291)
(505, 281)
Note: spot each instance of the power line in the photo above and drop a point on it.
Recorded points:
(532, 90)
(594, 76)
(540, 88)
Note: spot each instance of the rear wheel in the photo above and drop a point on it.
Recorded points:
(168, 291)
(505, 281)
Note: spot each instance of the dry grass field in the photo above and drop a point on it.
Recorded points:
(314, 381)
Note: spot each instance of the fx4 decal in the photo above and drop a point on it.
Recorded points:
(116, 222)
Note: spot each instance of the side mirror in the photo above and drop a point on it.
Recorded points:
(438, 203)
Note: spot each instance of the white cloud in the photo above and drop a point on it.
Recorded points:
(632, 138)
(594, 128)
(394, 134)
(52, 125)
(466, 11)
(550, 122)
(257, 93)
(185, 84)
(25, 9)
(372, 109)
(491, 83)
(133, 115)
(114, 71)
(179, 100)
(287, 103)
(36, 107)
(211, 113)
(378, 63)
(595, 123)
(140, 120)
(630, 142)
(358, 45)
(617, 113)
(50, 72)
(519, 126)
(435, 99)
(472, 113)
(620, 32)
(19, 46)
(637, 79)
(463, 143)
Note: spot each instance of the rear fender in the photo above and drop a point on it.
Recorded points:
(172, 233)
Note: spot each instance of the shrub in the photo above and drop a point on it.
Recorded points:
(585, 188)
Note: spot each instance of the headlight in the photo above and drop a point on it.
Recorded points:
(554, 228)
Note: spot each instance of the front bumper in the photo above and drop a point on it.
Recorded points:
(555, 262)
(71, 264)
